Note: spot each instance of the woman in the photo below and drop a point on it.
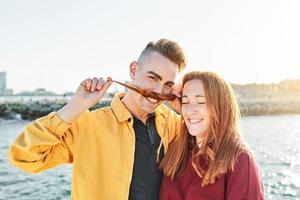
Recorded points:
(209, 160)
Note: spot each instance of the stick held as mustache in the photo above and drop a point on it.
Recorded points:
(151, 94)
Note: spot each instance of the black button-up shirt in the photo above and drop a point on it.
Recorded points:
(146, 177)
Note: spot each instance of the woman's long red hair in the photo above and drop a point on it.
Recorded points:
(221, 144)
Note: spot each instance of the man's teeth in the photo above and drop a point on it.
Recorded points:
(152, 100)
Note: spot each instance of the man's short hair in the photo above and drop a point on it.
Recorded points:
(168, 49)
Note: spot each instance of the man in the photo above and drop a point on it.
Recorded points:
(114, 150)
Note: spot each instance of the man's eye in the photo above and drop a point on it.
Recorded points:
(153, 78)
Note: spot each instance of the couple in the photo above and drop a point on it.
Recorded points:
(138, 148)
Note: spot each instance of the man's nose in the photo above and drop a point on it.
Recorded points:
(159, 88)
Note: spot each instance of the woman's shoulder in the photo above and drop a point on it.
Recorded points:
(244, 180)
(245, 163)
(245, 157)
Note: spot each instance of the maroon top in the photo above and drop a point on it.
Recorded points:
(243, 183)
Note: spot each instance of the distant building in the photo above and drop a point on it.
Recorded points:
(2, 83)
(37, 92)
(68, 93)
(8, 92)
(3, 90)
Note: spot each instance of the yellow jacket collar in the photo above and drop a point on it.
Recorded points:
(119, 108)
(123, 114)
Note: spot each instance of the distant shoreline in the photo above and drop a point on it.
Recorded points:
(254, 99)
(31, 110)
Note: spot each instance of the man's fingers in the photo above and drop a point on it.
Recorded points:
(177, 90)
(177, 93)
(100, 84)
(87, 83)
(106, 85)
(94, 84)
(176, 104)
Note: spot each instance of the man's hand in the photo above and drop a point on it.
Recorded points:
(176, 103)
(89, 92)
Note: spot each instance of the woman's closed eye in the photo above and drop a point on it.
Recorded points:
(201, 103)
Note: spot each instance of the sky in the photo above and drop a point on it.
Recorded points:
(57, 44)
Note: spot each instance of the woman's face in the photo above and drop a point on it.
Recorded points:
(194, 108)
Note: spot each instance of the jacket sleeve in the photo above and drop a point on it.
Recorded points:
(244, 182)
(45, 143)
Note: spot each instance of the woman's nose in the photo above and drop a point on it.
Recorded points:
(191, 108)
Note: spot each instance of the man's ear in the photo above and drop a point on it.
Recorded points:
(133, 69)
